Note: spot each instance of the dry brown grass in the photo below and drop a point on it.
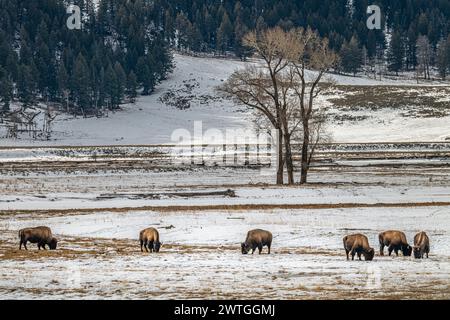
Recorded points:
(237, 207)
(415, 101)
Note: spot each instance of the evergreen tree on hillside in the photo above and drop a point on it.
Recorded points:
(442, 58)
(145, 76)
(411, 42)
(183, 31)
(37, 51)
(112, 87)
(41, 53)
(448, 53)
(26, 84)
(351, 56)
(80, 81)
(224, 34)
(63, 80)
(132, 86)
(395, 53)
(6, 90)
(121, 82)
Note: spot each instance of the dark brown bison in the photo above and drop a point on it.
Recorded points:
(40, 235)
(257, 239)
(149, 239)
(358, 244)
(395, 241)
(421, 245)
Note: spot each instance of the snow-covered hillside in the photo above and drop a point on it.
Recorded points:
(152, 121)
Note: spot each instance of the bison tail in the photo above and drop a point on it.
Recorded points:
(20, 234)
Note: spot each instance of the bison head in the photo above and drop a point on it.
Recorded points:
(245, 248)
(369, 254)
(156, 246)
(407, 250)
(53, 244)
(417, 253)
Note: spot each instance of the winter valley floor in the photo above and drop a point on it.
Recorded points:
(97, 199)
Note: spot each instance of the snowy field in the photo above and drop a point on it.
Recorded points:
(97, 199)
(153, 119)
(99, 256)
(203, 213)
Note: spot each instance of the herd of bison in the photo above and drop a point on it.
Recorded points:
(354, 244)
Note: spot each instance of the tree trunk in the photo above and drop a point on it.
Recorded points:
(288, 157)
(280, 158)
(305, 147)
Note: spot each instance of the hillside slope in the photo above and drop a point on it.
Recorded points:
(153, 119)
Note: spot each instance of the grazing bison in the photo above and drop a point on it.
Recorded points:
(40, 235)
(421, 245)
(149, 239)
(358, 244)
(395, 241)
(257, 239)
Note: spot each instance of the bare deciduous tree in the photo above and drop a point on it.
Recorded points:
(263, 86)
(424, 53)
(48, 121)
(318, 57)
(279, 88)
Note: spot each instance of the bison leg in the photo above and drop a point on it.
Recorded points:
(396, 251)
(20, 245)
(346, 253)
(259, 248)
(145, 246)
(381, 249)
(142, 243)
(422, 253)
(352, 252)
(268, 247)
(43, 246)
(390, 249)
(25, 245)
(359, 256)
(150, 246)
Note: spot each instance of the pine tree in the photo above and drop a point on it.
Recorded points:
(195, 41)
(26, 85)
(132, 86)
(395, 53)
(80, 88)
(121, 82)
(6, 89)
(224, 34)
(448, 53)
(145, 76)
(111, 87)
(442, 58)
(183, 27)
(351, 56)
(169, 26)
(63, 80)
(411, 61)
